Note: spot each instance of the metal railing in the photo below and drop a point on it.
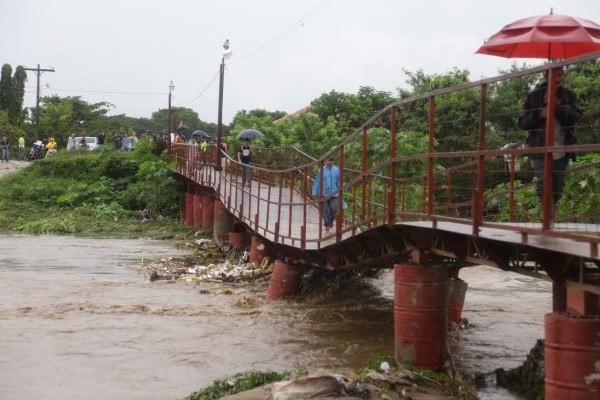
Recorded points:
(473, 170)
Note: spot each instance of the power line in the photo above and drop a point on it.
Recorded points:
(202, 92)
(286, 32)
(277, 38)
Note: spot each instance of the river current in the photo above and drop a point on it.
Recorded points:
(78, 321)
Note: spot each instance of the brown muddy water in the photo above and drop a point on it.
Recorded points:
(77, 322)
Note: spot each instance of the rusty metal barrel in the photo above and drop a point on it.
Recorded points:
(258, 250)
(285, 280)
(239, 240)
(572, 357)
(420, 315)
(457, 290)
(208, 212)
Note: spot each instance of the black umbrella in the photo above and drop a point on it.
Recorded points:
(200, 135)
(250, 134)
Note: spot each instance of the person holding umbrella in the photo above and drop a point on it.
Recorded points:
(244, 156)
(533, 119)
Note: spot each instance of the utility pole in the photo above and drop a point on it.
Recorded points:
(38, 71)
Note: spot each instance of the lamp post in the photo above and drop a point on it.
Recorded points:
(226, 54)
(171, 88)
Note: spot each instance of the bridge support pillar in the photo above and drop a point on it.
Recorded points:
(189, 208)
(182, 206)
(223, 220)
(572, 357)
(285, 281)
(258, 250)
(421, 314)
(559, 297)
(457, 290)
(208, 213)
(239, 240)
(197, 212)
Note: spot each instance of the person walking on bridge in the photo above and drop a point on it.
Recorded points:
(244, 156)
(324, 185)
(533, 119)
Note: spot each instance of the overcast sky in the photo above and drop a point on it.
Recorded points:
(285, 53)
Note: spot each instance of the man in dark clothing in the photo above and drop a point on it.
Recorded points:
(245, 157)
(533, 119)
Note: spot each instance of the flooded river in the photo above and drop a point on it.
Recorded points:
(77, 322)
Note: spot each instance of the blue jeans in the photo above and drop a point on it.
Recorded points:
(21, 153)
(246, 174)
(4, 154)
(559, 168)
(330, 209)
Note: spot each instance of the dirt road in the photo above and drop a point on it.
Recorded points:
(7, 168)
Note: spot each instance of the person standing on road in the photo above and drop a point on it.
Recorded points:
(4, 145)
(245, 157)
(533, 119)
(329, 183)
(21, 148)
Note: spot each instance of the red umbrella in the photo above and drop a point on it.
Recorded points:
(551, 36)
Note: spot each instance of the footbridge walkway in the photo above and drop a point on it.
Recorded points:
(452, 187)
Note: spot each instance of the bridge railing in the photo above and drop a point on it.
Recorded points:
(454, 154)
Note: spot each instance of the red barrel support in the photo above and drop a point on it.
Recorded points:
(420, 315)
(572, 357)
(285, 281)
(457, 290)
(208, 213)
(258, 250)
(239, 240)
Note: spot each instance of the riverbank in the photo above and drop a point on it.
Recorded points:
(108, 193)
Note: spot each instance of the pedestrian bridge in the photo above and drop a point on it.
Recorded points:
(468, 202)
(429, 185)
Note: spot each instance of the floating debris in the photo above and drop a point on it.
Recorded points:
(208, 263)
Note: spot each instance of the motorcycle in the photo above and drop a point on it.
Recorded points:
(37, 151)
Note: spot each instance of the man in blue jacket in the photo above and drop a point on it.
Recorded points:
(328, 183)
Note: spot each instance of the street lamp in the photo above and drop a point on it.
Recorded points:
(171, 88)
(226, 54)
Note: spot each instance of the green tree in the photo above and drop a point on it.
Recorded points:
(62, 116)
(307, 132)
(12, 91)
(346, 110)
(261, 120)
(189, 117)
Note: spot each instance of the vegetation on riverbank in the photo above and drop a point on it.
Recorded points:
(95, 193)
(380, 378)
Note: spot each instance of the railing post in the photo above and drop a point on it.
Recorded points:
(547, 199)
(391, 211)
(339, 218)
(478, 197)
(430, 158)
(364, 178)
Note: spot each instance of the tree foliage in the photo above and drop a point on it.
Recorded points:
(12, 91)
